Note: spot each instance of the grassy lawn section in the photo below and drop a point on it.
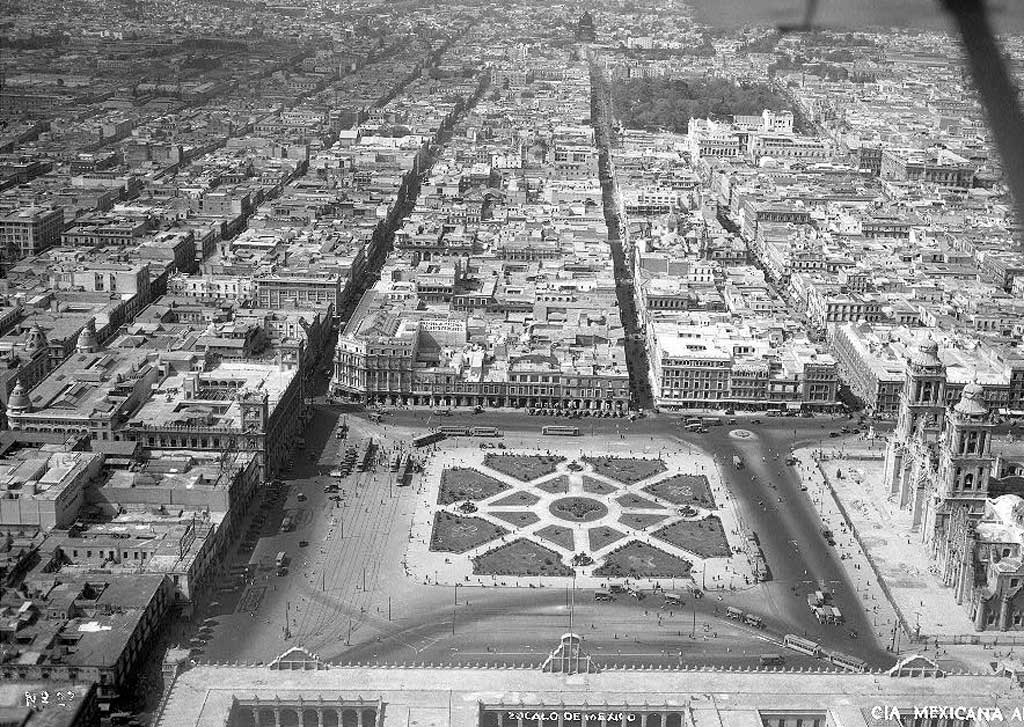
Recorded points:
(521, 558)
(641, 520)
(517, 499)
(684, 490)
(454, 534)
(639, 560)
(558, 535)
(463, 483)
(626, 469)
(525, 467)
(578, 509)
(596, 487)
(556, 485)
(629, 500)
(603, 536)
(517, 519)
(704, 537)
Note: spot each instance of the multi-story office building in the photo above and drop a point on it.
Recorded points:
(941, 166)
(716, 365)
(28, 231)
(284, 289)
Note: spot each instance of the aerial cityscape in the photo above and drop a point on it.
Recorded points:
(510, 364)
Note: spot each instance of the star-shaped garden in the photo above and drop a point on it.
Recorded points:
(548, 515)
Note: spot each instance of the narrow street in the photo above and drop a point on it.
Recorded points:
(637, 362)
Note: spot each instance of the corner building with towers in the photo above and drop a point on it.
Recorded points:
(938, 465)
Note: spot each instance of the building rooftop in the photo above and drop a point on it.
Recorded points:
(203, 696)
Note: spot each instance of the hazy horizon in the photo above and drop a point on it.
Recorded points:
(1007, 15)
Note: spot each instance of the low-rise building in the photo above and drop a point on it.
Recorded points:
(234, 406)
(81, 627)
(45, 489)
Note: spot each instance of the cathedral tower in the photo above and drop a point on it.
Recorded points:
(921, 410)
(965, 463)
(960, 492)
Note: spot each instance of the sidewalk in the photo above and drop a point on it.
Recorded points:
(861, 516)
(872, 595)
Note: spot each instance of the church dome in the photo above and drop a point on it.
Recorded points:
(87, 341)
(1008, 509)
(18, 400)
(972, 401)
(36, 339)
(926, 354)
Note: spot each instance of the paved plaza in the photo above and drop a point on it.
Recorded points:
(525, 517)
(896, 552)
(369, 589)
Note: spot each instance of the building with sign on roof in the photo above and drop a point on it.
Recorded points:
(300, 690)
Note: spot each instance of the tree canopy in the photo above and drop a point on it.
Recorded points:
(669, 103)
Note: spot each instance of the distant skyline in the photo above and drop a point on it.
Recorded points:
(849, 14)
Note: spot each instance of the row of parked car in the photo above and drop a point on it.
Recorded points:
(578, 413)
(671, 599)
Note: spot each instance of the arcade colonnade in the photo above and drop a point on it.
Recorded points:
(306, 713)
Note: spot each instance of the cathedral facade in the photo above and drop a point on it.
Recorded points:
(938, 464)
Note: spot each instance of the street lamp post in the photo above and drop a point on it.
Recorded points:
(455, 603)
